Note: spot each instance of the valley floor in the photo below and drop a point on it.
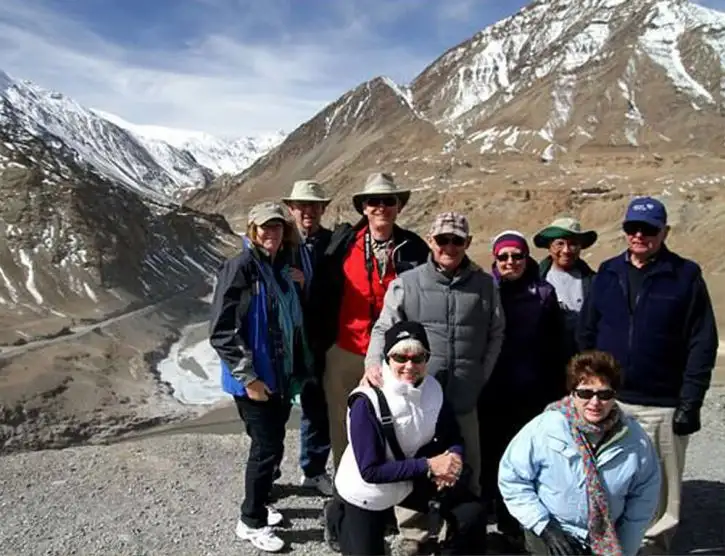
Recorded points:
(179, 494)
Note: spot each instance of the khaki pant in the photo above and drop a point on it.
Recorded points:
(657, 423)
(343, 372)
(414, 525)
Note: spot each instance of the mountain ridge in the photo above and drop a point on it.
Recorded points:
(137, 156)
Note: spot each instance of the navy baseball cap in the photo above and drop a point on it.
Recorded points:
(647, 210)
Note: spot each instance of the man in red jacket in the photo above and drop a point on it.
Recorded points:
(357, 268)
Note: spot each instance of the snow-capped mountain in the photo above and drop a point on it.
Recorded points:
(162, 164)
(221, 156)
(558, 78)
(560, 74)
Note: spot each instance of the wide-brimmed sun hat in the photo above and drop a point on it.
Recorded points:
(564, 228)
(380, 184)
(307, 191)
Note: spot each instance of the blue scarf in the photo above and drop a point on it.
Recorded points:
(289, 313)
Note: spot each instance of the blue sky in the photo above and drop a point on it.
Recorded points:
(229, 67)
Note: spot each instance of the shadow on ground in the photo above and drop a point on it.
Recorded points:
(702, 518)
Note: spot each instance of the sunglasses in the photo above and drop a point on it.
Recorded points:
(416, 359)
(633, 228)
(588, 394)
(503, 257)
(389, 201)
(444, 240)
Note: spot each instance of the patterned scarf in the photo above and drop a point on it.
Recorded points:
(602, 532)
(383, 250)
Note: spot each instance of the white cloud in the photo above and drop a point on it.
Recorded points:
(218, 82)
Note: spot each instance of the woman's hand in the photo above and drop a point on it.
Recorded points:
(445, 481)
(445, 464)
(297, 276)
(258, 391)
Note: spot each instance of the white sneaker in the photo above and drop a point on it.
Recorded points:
(262, 538)
(274, 517)
(323, 483)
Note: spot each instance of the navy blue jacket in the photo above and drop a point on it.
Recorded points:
(668, 344)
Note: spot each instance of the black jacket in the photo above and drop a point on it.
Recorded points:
(326, 291)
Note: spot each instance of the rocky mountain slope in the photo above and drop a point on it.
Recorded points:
(74, 243)
(561, 92)
(160, 163)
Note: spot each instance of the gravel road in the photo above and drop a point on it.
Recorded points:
(179, 494)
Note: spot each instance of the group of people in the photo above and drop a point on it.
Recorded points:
(558, 398)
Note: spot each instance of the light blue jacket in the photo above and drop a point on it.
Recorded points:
(541, 475)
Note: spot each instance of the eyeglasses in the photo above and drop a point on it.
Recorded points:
(444, 240)
(588, 394)
(633, 228)
(503, 257)
(417, 359)
(388, 201)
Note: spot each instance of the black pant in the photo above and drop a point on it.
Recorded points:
(498, 425)
(265, 424)
(362, 532)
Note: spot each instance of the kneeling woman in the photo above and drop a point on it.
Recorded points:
(371, 479)
(582, 477)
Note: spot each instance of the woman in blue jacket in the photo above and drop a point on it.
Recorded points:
(582, 477)
(256, 328)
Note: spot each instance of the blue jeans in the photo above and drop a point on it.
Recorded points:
(314, 431)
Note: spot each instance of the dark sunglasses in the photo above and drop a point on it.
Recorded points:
(444, 240)
(633, 228)
(588, 394)
(416, 359)
(388, 201)
(503, 257)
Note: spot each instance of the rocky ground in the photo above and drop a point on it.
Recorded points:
(178, 494)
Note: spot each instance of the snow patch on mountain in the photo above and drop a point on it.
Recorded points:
(221, 156)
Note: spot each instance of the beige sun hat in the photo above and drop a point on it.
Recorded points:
(307, 191)
(562, 228)
(377, 185)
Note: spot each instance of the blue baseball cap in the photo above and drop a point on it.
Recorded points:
(647, 210)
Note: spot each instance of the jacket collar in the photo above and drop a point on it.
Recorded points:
(663, 263)
(399, 234)
(463, 272)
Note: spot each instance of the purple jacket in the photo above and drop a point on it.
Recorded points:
(531, 366)
(369, 445)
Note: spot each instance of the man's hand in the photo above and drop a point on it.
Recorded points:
(686, 420)
(373, 376)
(258, 391)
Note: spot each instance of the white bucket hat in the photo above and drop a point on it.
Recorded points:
(307, 191)
(378, 185)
